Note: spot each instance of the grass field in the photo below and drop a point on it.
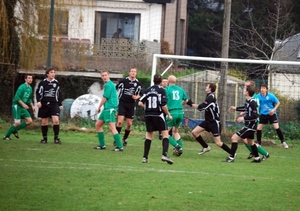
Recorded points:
(73, 176)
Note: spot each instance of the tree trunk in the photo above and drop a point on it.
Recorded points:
(224, 65)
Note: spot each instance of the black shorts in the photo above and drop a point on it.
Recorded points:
(48, 109)
(265, 119)
(214, 127)
(126, 109)
(246, 133)
(155, 123)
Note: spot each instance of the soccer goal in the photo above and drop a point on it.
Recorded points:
(282, 78)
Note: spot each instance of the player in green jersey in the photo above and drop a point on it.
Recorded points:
(20, 105)
(176, 96)
(109, 102)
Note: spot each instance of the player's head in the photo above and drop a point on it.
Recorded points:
(172, 79)
(48, 69)
(263, 89)
(157, 79)
(105, 75)
(250, 89)
(132, 73)
(28, 79)
(164, 82)
(50, 73)
(212, 87)
(249, 82)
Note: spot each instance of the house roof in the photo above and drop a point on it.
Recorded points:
(287, 50)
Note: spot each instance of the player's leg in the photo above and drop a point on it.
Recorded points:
(234, 145)
(250, 141)
(17, 120)
(129, 122)
(100, 133)
(275, 123)
(196, 132)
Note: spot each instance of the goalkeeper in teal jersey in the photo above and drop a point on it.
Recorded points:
(262, 151)
(176, 96)
(20, 105)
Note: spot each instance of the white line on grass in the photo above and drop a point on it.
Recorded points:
(89, 166)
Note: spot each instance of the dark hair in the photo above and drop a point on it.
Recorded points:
(212, 86)
(26, 75)
(48, 69)
(264, 85)
(251, 90)
(157, 79)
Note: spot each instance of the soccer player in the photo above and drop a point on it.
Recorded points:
(48, 97)
(130, 90)
(176, 96)
(212, 120)
(154, 103)
(268, 106)
(109, 102)
(164, 84)
(22, 99)
(247, 132)
(261, 150)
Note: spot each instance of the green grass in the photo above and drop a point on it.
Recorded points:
(73, 176)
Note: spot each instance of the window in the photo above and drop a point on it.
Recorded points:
(60, 23)
(107, 25)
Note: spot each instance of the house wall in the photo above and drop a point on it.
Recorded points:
(175, 26)
(82, 17)
(287, 84)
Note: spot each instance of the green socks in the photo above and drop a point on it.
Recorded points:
(260, 150)
(118, 140)
(101, 139)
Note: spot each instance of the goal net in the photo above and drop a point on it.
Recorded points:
(282, 78)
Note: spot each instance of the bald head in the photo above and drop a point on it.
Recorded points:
(172, 79)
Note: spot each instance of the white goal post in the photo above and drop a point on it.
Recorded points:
(211, 59)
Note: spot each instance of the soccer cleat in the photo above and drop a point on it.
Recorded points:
(177, 151)
(16, 134)
(256, 160)
(124, 142)
(6, 138)
(99, 147)
(265, 157)
(43, 141)
(284, 144)
(117, 149)
(229, 159)
(57, 141)
(166, 159)
(144, 160)
(250, 156)
(204, 150)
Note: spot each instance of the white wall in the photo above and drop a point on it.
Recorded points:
(82, 18)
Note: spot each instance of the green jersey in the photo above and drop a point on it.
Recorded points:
(175, 96)
(24, 93)
(255, 97)
(110, 93)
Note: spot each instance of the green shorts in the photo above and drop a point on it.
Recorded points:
(19, 112)
(108, 115)
(176, 121)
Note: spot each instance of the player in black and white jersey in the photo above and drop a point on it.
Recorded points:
(154, 103)
(49, 102)
(212, 120)
(250, 119)
(129, 91)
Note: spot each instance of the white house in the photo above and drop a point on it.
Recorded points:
(286, 78)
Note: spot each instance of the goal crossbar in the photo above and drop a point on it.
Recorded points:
(212, 59)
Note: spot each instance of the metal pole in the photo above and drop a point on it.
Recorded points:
(50, 34)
